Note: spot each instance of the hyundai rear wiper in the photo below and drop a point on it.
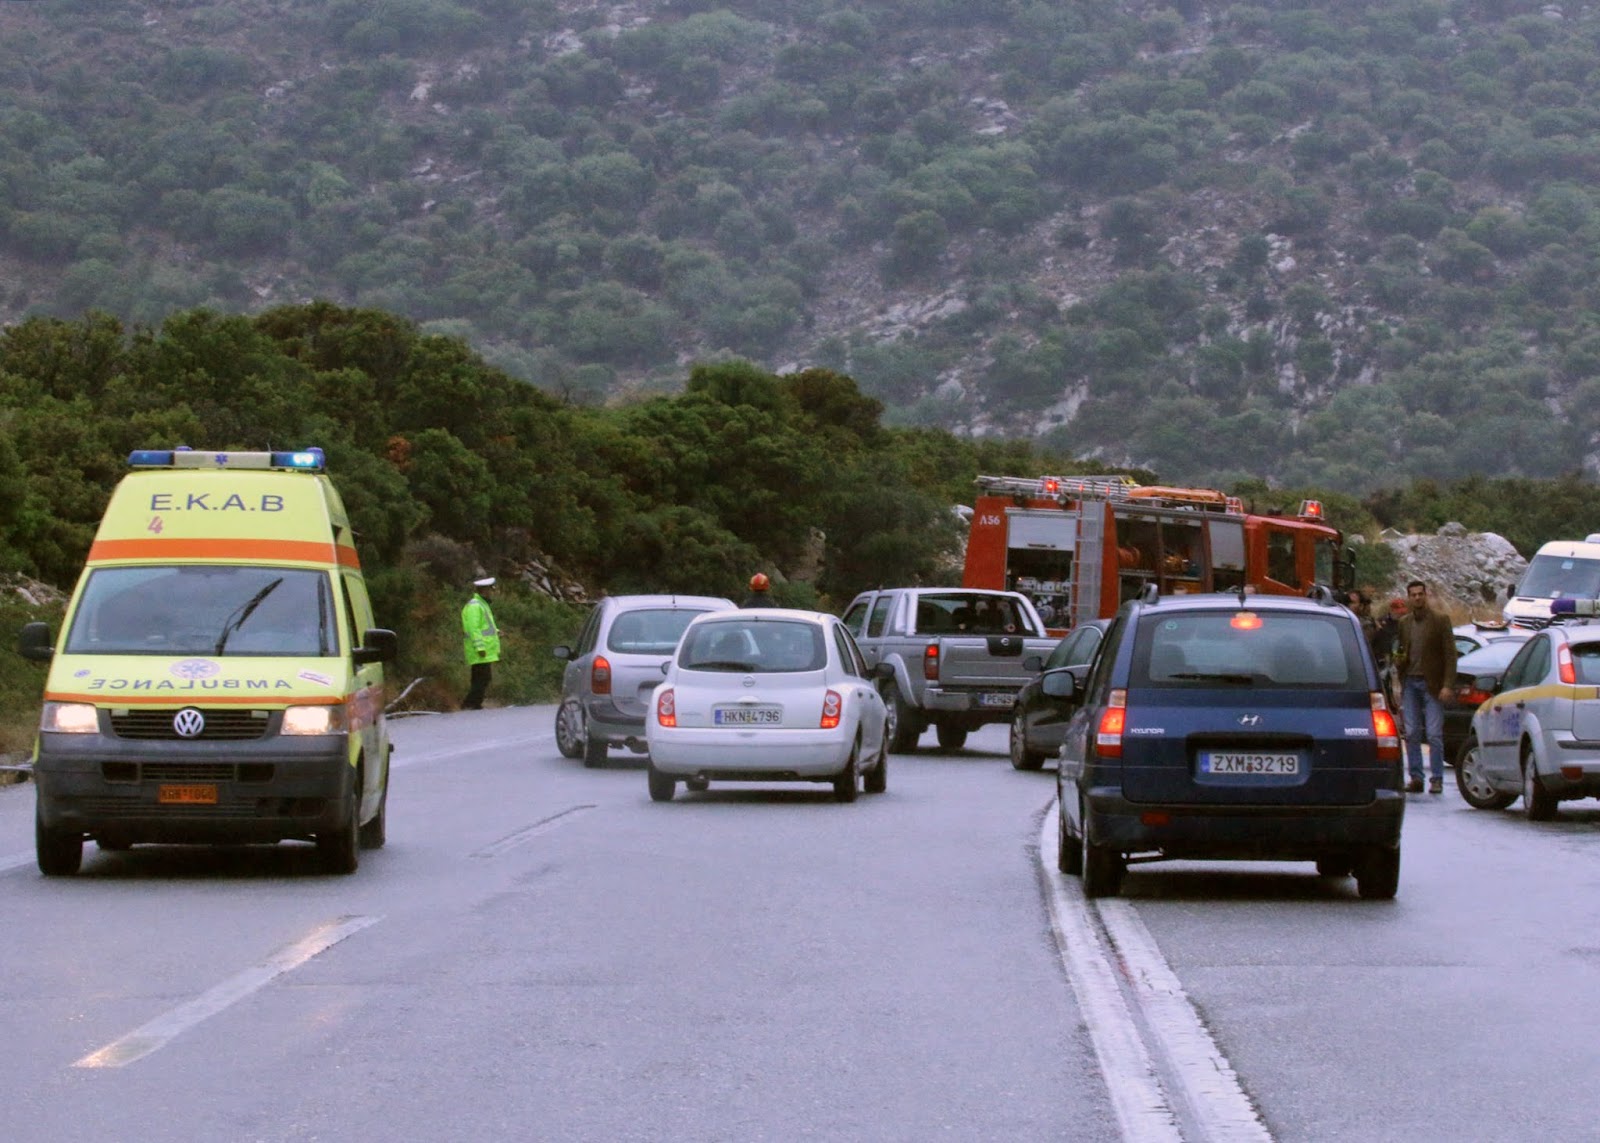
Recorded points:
(1214, 677)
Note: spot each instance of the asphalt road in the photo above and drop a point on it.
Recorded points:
(543, 953)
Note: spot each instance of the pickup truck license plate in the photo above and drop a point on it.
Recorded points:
(997, 700)
(747, 715)
(1249, 762)
(189, 795)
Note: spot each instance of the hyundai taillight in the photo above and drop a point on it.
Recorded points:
(600, 676)
(930, 662)
(1569, 674)
(1384, 729)
(666, 707)
(1113, 721)
(832, 707)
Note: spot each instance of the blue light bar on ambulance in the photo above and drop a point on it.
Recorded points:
(304, 460)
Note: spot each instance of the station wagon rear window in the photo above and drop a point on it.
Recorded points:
(649, 631)
(205, 609)
(1241, 648)
(774, 646)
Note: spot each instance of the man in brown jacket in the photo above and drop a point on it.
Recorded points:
(1425, 660)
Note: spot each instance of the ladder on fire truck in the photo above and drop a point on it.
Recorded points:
(1083, 592)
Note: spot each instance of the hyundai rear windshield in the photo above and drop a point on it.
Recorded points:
(1243, 648)
(771, 647)
(205, 610)
(653, 631)
(1555, 577)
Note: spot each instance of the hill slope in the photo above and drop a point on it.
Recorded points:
(1341, 244)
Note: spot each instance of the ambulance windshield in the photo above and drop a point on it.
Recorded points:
(204, 609)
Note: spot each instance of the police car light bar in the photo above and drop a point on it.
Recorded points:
(302, 460)
(1575, 607)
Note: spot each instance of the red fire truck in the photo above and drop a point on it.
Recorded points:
(1079, 546)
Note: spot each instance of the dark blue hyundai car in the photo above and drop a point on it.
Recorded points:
(1232, 726)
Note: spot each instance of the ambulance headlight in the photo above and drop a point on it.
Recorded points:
(70, 718)
(313, 720)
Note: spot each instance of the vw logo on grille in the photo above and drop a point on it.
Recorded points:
(188, 722)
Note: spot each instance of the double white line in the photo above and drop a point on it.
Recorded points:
(1167, 1079)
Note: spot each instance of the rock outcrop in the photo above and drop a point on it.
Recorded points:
(1468, 572)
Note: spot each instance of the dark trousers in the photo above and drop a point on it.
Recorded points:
(480, 684)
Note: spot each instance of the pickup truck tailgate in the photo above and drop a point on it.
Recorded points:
(984, 661)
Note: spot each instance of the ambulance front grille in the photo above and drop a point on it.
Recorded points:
(221, 725)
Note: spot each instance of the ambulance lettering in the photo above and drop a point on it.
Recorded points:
(124, 684)
(197, 502)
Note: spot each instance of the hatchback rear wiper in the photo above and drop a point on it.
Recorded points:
(722, 665)
(1217, 677)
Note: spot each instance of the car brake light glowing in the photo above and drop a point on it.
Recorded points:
(600, 676)
(1569, 674)
(1113, 721)
(666, 707)
(930, 662)
(1245, 621)
(832, 707)
(1384, 729)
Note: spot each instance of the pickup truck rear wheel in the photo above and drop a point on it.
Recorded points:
(951, 737)
(901, 725)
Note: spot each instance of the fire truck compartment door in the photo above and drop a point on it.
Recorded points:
(1056, 531)
(1227, 544)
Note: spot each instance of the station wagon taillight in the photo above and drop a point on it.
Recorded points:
(930, 662)
(832, 708)
(1113, 721)
(1384, 729)
(666, 707)
(600, 676)
(1568, 672)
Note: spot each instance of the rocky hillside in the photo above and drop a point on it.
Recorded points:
(1469, 571)
(1346, 244)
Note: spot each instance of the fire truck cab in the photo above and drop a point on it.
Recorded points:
(1080, 547)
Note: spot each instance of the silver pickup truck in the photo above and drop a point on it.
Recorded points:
(957, 655)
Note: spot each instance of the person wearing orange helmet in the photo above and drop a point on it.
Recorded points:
(760, 592)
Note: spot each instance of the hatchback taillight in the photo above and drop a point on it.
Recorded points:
(832, 708)
(1113, 721)
(600, 676)
(666, 707)
(1384, 729)
(930, 662)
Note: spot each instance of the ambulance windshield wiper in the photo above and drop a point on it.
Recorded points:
(243, 612)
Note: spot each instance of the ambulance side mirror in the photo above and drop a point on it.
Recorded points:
(33, 642)
(377, 646)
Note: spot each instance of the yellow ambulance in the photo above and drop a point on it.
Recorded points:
(219, 677)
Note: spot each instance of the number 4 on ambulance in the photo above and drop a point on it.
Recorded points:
(220, 661)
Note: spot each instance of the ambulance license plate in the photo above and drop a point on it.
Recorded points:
(188, 795)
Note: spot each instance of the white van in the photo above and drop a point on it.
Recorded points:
(1561, 568)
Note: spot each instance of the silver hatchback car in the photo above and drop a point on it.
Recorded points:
(1537, 735)
(618, 660)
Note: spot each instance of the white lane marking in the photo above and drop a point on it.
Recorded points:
(1219, 1105)
(157, 1033)
(15, 861)
(1137, 1098)
(528, 833)
(1214, 1103)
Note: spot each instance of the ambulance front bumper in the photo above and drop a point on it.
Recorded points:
(273, 789)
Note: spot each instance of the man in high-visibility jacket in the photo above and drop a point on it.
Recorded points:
(480, 641)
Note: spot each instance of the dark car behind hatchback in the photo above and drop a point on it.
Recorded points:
(1233, 727)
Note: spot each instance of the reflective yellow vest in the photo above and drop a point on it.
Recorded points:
(480, 637)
